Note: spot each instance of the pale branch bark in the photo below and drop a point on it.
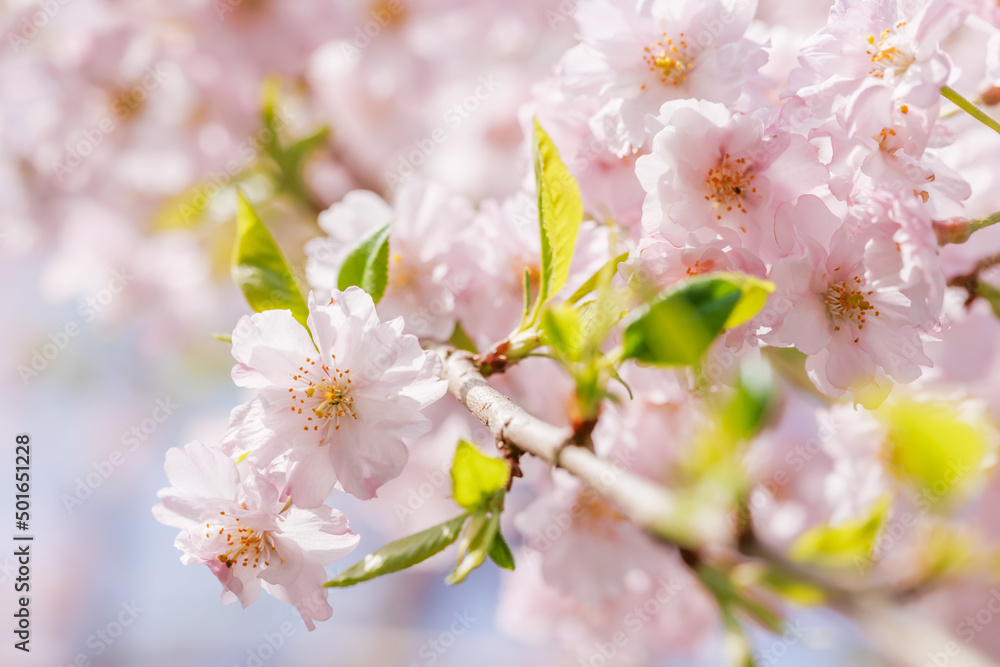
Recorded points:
(647, 504)
(902, 637)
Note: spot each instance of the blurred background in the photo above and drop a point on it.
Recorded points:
(124, 127)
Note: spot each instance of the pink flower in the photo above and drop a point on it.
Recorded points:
(636, 56)
(334, 407)
(428, 266)
(232, 519)
(869, 56)
(722, 175)
(587, 547)
(844, 300)
(504, 240)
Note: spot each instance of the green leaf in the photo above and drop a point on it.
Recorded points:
(259, 268)
(991, 294)
(367, 265)
(476, 477)
(601, 276)
(461, 340)
(934, 445)
(848, 543)
(754, 293)
(477, 543)
(500, 553)
(677, 328)
(526, 309)
(562, 330)
(748, 408)
(560, 212)
(401, 554)
(732, 598)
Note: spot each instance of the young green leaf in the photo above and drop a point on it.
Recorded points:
(753, 294)
(367, 265)
(560, 212)
(401, 554)
(476, 477)
(844, 544)
(934, 445)
(562, 331)
(601, 277)
(461, 340)
(500, 553)
(259, 268)
(677, 328)
(478, 544)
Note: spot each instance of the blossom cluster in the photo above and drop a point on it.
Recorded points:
(312, 426)
(811, 147)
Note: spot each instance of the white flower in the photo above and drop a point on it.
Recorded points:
(233, 521)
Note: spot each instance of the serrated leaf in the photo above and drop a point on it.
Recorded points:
(367, 265)
(934, 446)
(476, 477)
(560, 212)
(479, 543)
(677, 328)
(500, 553)
(848, 543)
(401, 554)
(260, 269)
(602, 276)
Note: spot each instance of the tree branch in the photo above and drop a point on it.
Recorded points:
(647, 504)
(903, 637)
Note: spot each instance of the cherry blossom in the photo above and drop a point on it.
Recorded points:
(428, 265)
(335, 406)
(232, 520)
(633, 57)
(715, 174)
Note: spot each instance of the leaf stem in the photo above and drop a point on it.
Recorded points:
(952, 95)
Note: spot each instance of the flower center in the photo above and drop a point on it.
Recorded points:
(847, 301)
(671, 62)
(401, 274)
(246, 547)
(889, 53)
(729, 183)
(597, 515)
(328, 394)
